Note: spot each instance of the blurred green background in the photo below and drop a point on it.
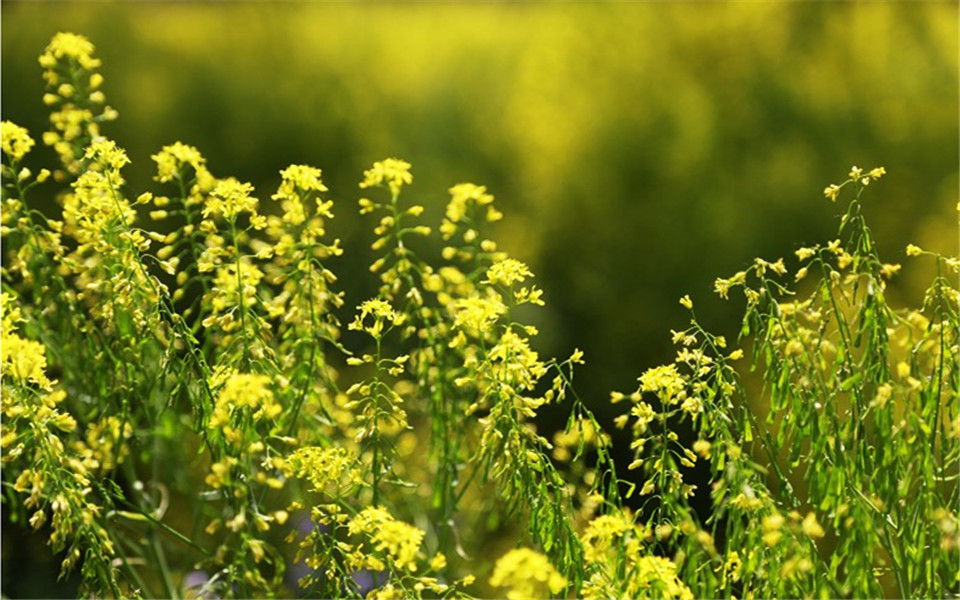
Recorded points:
(638, 150)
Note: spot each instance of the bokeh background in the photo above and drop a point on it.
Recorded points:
(638, 150)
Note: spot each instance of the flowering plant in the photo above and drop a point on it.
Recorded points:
(141, 365)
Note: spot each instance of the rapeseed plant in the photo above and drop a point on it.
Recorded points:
(139, 367)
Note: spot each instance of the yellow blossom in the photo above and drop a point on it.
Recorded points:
(889, 270)
(320, 466)
(831, 192)
(665, 380)
(71, 46)
(477, 314)
(461, 196)
(507, 272)
(526, 574)
(240, 391)
(231, 288)
(382, 314)
(15, 140)
(399, 540)
(601, 534)
(392, 171)
(702, 447)
(230, 198)
(811, 527)
(173, 158)
(298, 183)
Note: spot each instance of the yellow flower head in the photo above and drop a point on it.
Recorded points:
(107, 154)
(15, 140)
(25, 361)
(507, 272)
(299, 182)
(600, 537)
(656, 577)
(173, 158)
(477, 314)
(381, 314)
(464, 194)
(527, 574)
(806, 253)
(399, 540)
(230, 288)
(320, 466)
(71, 46)
(240, 391)
(230, 198)
(392, 171)
(302, 177)
(832, 191)
(665, 381)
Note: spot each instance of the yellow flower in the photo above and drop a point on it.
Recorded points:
(392, 171)
(665, 380)
(298, 183)
(382, 313)
(831, 192)
(464, 194)
(25, 361)
(811, 527)
(914, 250)
(527, 574)
(477, 314)
(399, 540)
(230, 198)
(507, 272)
(171, 160)
(15, 140)
(702, 447)
(242, 391)
(722, 286)
(692, 405)
(108, 154)
(601, 534)
(439, 561)
(644, 414)
(320, 466)
(888, 270)
(686, 302)
(72, 46)
(230, 289)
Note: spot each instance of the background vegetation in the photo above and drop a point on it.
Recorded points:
(638, 150)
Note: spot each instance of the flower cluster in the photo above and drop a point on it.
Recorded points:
(526, 573)
(74, 88)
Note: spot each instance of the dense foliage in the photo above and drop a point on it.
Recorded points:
(184, 411)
